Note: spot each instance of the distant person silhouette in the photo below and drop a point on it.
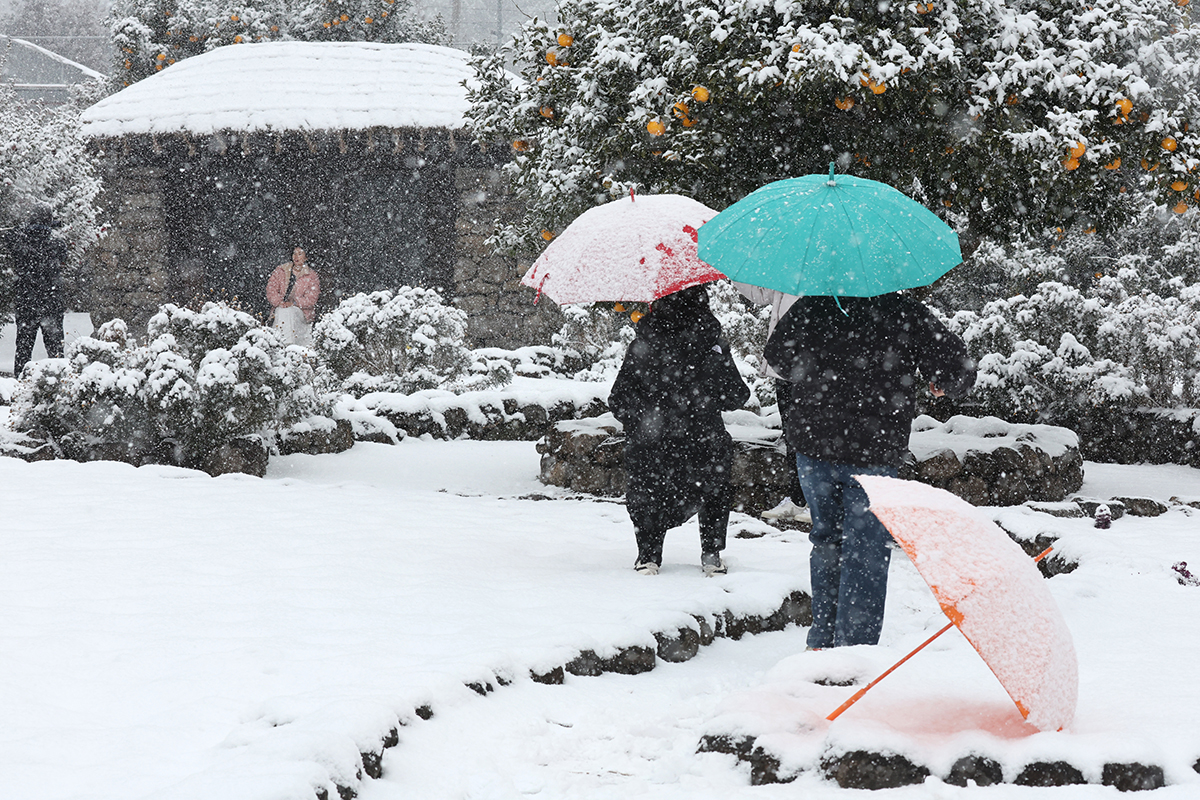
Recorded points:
(38, 299)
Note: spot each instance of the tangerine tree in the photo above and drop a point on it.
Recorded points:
(1003, 116)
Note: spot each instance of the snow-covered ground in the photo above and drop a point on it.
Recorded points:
(170, 635)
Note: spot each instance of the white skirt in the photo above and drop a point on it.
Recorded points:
(292, 326)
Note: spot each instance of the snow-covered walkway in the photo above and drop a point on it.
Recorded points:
(170, 635)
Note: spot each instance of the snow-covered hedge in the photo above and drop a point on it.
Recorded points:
(1059, 350)
(403, 341)
(203, 379)
(1084, 322)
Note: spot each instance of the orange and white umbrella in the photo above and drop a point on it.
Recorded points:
(990, 589)
(636, 249)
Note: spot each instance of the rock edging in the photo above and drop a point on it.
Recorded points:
(984, 461)
(674, 646)
(865, 769)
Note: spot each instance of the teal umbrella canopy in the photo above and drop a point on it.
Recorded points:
(829, 235)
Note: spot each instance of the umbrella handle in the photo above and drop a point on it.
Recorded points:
(859, 694)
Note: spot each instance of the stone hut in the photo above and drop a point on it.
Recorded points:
(216, 167)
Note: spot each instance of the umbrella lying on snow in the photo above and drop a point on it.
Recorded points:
(990, 589)
(830, 235)
(636, 249)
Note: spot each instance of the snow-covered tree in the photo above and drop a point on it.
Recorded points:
(43, 162)
(150, 35)
(999, 115)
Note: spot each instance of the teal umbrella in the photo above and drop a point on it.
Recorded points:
(829, 235)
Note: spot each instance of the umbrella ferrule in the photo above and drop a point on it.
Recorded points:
(831, 181)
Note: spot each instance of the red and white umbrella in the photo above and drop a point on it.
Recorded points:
(990, 589)
(636, 249)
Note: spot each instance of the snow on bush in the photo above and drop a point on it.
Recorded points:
(1084, 320)
(1058, 351)
(402, 341)
(204, 378)
(598, 335)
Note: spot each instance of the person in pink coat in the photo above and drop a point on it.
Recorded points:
(292, 291)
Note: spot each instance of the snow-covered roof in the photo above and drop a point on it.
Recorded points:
(293, 86)
(38, 73)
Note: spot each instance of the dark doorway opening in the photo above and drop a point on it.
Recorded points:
(368, 220)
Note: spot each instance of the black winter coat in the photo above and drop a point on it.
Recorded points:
(677, 378)
(37, 260)
(856, 374)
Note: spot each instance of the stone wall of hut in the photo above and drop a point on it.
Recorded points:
(127, 274)
(131, 272)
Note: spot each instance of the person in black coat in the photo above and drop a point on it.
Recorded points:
(854, 365)
(38, 297)
(676, 379)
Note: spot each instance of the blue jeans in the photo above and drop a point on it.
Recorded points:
(850, 554)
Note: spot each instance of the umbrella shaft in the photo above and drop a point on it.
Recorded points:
(858, 695)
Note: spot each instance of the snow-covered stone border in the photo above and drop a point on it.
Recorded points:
(864, 769)
(501, 414)
(673, 646)
(985, 461)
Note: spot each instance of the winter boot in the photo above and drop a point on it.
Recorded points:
(713, 564)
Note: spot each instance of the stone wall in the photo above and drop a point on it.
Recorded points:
(501, 312)
(985, 462)
(127, 274)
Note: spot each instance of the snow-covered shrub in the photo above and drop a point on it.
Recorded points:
(402, 341)
(598, 335)
(113, 395)
(1073, 321)
(196, 333)
(1058, 351)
